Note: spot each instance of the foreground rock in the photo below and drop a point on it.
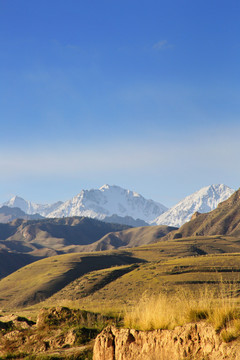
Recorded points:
(60, 332)
(192, 341)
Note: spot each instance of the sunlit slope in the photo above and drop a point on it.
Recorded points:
(190, 262)
(184, 247)
(95, 273)
(37, 281)
(103, 288)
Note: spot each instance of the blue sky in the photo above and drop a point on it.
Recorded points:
(141, 94)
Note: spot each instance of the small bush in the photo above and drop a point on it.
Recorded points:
(197, 315)
(228, 335)
(84, 335)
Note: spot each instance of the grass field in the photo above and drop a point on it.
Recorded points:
(218, 305)
(111, 281)
(160, 285)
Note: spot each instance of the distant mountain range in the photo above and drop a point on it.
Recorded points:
(96, 203)
(107, 201)
(48, 237)
(32, 208)
(8, 214)
(115, 204)
(202, 201)
(224, 220)
(52, 236)
(26, 241)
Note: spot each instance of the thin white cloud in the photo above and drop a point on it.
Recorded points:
(162, 45)
(160, 168)
(62, 162)
(198, 154)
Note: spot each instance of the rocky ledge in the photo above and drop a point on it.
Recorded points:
(192, 341)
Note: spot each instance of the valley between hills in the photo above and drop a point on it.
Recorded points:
(98, 267)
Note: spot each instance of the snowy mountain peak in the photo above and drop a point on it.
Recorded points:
(18, 202)
(31, 208)
(202, 201)
(109, 200)
(16, 199)
(104, 187)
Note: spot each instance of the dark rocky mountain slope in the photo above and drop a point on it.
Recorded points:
(49, 237)
(7, 214)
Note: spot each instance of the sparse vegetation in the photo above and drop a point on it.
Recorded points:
(179, 286)
(60, 333)
(166, 311)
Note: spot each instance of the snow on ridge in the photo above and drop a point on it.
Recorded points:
(112, 199)
(204, 200)
(31, 208)
(109, 200)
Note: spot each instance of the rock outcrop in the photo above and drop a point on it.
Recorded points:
(192, 341)
(59, 330)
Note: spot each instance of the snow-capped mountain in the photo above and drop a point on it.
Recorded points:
(114, 200)
(109, 200)
(203, 200)
(31, 208)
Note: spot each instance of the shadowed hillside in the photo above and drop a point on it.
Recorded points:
(129, 238)
(10, 262)
(8, 214)
(49, 237)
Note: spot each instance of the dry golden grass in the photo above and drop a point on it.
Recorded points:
(166, 311)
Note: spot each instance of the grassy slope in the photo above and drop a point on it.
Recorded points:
(27, 241)
(111, 279)
(170, 264)
(37, 281)
(10, 262)
(158, 276)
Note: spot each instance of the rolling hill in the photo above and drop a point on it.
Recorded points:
(114, 278)
(47, 237)
(129, 238)
(10, 261)
(38, 281)
(204, 251)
